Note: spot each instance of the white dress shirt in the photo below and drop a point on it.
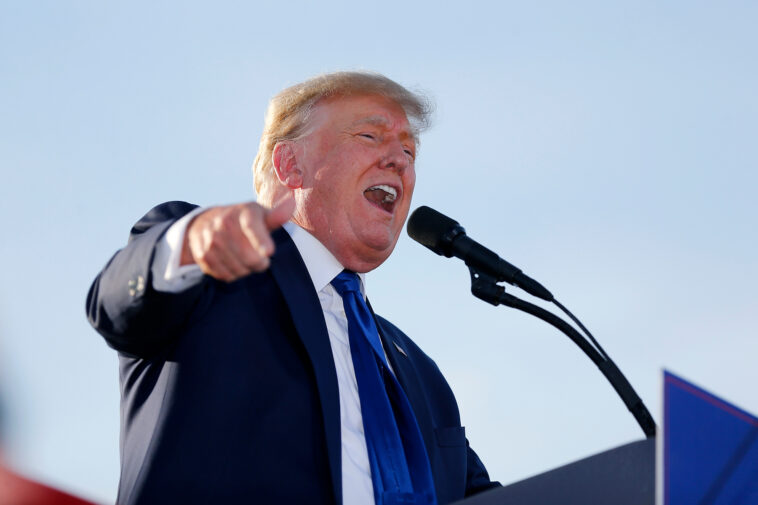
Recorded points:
(322, 266)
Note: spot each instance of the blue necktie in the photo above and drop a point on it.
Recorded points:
(400, 468)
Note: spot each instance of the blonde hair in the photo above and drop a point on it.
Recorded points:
(288, 113)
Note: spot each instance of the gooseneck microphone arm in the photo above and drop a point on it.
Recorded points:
(486, 288)
(446, 237)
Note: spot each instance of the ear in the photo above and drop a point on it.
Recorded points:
(285, 165)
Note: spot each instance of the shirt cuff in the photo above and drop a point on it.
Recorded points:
(168, 276)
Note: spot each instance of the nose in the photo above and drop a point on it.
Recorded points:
(396, 158)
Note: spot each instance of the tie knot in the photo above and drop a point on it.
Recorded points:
(346, 282)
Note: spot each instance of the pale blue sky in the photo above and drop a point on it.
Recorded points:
(607, 148)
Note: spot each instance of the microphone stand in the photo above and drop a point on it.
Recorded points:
(486, 288)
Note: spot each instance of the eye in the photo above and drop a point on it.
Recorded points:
(410, 153)
(369, 136)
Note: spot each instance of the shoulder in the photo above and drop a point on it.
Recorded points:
(425, 366)
(397, 334)
(169, 211)
(423, 377)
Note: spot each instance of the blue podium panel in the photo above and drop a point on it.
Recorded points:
(710, 448)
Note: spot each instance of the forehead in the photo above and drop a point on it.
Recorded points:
(344, 113)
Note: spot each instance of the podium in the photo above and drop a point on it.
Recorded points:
(709, 455)
(621, 476)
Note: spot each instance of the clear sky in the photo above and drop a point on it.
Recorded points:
(607, 148)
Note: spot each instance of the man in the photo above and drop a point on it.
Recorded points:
(239, 376)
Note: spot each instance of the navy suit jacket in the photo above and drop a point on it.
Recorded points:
(229, 391)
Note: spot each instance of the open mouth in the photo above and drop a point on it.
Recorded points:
(382, 196)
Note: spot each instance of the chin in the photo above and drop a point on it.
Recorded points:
(367, 254)
(362, 263)
(381, 240)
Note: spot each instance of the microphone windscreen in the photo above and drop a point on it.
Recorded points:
(433, 229)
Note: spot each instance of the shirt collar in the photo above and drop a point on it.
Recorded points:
(320, 262)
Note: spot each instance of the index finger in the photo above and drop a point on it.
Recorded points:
(280, 213)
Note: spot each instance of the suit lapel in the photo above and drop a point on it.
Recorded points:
(293, 279)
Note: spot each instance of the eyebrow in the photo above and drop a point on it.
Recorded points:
(377, 120)
(380, 121)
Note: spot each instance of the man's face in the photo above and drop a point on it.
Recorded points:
(357, 165)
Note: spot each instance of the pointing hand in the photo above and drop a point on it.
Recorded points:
(232, 241)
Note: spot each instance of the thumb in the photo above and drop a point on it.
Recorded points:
(280, 213)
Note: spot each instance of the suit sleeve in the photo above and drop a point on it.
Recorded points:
(122, 305)
(477, 478)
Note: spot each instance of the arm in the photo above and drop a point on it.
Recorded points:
(122, 304)
(477, 478)
(227, 243)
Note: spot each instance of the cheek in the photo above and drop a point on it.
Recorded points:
(410, 182)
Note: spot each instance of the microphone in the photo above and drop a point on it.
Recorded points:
(446, 237)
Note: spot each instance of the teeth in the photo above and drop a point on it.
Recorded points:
(391, 192)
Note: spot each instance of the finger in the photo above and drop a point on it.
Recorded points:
(281, 212)
(229, 259)
(253, 225)
(253, 255)
(245, 246)
(217, 253)
(215, 269)
(257, 263)
(210, 265)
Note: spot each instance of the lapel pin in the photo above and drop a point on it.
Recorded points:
(399, 349)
